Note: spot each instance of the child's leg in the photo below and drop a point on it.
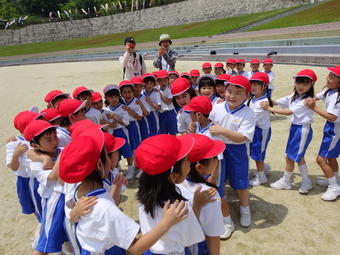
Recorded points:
(325, 166)
(306, 183)
(285, 181)
(243, 195)
(333, 162)
(259, 166)
(38, 253)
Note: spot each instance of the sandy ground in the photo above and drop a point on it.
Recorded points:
(284, 222)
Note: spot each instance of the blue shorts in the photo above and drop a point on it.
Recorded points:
(53, 233)
(299, 138)
(153, 123)
(237, 165)
(24, 195)
(115, 250)
(330, 146)
(260, 142)
(125, 150)
(221, 185)
(168, 122)
(34, 185)
(143, 128)
(134, 135)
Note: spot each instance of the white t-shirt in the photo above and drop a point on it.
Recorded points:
(261, 115)
(183, 234)
(244, 73)
(183, 121)
(241, 120)
(302, 115)
(118, 110)
(155, 98)
(93, 115)
(64, 137)
(271, 80)
(135, 107)
(167, 93)
(23, 170)
(330, 101)
(214, 99)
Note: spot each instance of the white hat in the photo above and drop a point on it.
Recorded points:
(164, 37)
(110, 87)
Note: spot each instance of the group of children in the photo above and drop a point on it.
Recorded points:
(183, 136)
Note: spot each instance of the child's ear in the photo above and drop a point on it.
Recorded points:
(173, 177)
(35, 146)
(199, 168)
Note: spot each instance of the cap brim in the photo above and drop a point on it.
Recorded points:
(218, 147)
(56, 117)
(166, 40)
(61, 94)
(238, 85)
(150, 76)
(187, 143)
(119, 143)
(332, 70)
(97, 100)
(296, 76)
(43, 130)
(162, 77)
(180, 93)
(82, 106)
(188, 108)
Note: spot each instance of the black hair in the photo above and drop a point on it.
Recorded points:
(219, 82)
(87, 93)
(155, 190)
(195, 177)
(147, 79)
(206, 82)
(309, 93)
(113, 92)
(223, 70)
(271, 104)
(192, 93)
(338, 97)
(57, 98)
(65, 122)
(36, 139)
(128, 85)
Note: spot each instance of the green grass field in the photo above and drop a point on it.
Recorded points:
(323, 13)
(181, 31)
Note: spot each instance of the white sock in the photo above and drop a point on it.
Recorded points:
(244, 209)
(227, 220)
(332, 181)
(287, 176)
(261, 174)
(304, 172)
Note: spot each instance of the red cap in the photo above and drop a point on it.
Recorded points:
(241, 61)
(185, 74)
(80, 126)
(96, 97)
(219, 65)
(307, 73)
(125, 83)
(137, 80)
(231, 61)
(240, 81)
(79, 90)
(260, 76)
(200, 104)
(206, 65)
(148, 75)
(50, 114)
(174, 72)
(335, 70)
(194, 73)
(70, 106)
(204, 148)
(255, 61)
(223, 77)
(79, 158)
(35, 128)
(268, 61)
(112, 143)
(154, 73)
(110, 87)
(162, 74)
(53, 94)
(159, 153)
(22, 119)
(179, 86)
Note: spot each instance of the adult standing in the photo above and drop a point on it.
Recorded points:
(132, 62)
(166, 57)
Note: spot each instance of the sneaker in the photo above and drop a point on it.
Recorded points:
(267, 167)
(245, 219)
(332, 193)
(305, 186)
(131, 173)
(138, 175)
(324, 182)
(258, 180)
(281, 184)
(228, 230)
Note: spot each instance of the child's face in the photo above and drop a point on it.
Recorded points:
(193, 116)
(194, 80)
(112, 100)
(235, 96)
(85, 96)
(209, 168)
(257, 89)
(231, 66)
(185, 169)
(239, 66)
(218, 70)
(114, 156)
(163, 82)
(98, 105)
(172, 78)
(303, 88)
(183, 99)
(333, 81)
(149, 85)
(55, 102)
(220, 90)
(267, 67)
(48, 142)
(127, 93)
(207, 70)
(254, 67)
(138, 89)
(207, 91)
(80, 115)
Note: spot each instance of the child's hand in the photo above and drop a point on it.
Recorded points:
(139, 102)
(156, 90)
(125, 108)
(161, 51)
(220, 101)
(120, 180)
(148, 100)
(192, 127)
(201, 198)
(265, 105)
(11, 139)
(310, 103)
(85, 205)
(20, 149)
(215, 129)
(175, 213)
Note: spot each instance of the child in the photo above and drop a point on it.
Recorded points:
(219, 69)
(221, 81)
(267, 66)
(153, 100)
(194, 74)
(234, 124)
(54, 97)
(120, 119)
(182, 93)
(259, 86)
(231, 64)
(254, 66)
(206, 87)
(85, 160)
(164, 161)
(173, 75)
(186, 76)
(301, 133)
(71, 111)
(240, 64)
(84, 95)
(167, 114)
(330, 146)
(206, 68)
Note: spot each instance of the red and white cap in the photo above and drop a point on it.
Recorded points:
(70, 106)
(80, 157)
(22, 119)
(268, 61)
(335, 70)
(260, 76)
(125, 83)
(137, 80)
(223, 77)
(80, 90)
(54, 94)
(112, 143)
(110, 87)
(35, 128)
(50, 114)
(230, 61)
(80, 126)
(200, 104)
(154, 73)
(255, 61)
(204, 148)
(240, 81)
(185, 74)
(162, 74)
(206, 65)
(159, 153)
(194, 73)
(179, 86)
(148, 75)
(240, 61)
(174, 72)
(96, 97)
(307, 73)
(219, 65)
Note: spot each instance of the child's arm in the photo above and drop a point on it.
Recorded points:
(213, 243)
(285, 111)
(37, 156)
(165, 99)
(83, 206)
(201, 198)
(19, 150)
(142, 106)
(155, 106)
(236, 137)
(131, 112)
(116, 118)
(311, 104)
(116, 189)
